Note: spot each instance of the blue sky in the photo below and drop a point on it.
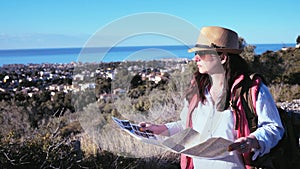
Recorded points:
(70, 23)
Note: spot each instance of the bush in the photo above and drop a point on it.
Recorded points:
(285, 92)
(38, 151)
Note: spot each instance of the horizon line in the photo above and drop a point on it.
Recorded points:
(105, 47)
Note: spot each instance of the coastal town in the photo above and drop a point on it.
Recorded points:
(33, 78)
(30, 79)
(27, 80)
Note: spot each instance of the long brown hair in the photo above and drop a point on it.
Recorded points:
(234, 66)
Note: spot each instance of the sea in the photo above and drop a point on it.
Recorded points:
(118, 53)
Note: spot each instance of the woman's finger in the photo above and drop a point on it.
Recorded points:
(142, 124)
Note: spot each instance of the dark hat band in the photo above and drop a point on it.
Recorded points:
(212, 45)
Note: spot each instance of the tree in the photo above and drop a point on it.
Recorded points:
(298, 40)
(136, 81)
(122, 78)
(270, 64)
(242, 43)
(103, 86)
(248, 50)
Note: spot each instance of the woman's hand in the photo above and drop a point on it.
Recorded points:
(160, 129)
(244, 144)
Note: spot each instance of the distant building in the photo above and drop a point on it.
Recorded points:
(78, 77)
(107, 97)
(87, 86)
(5, 78)
(119, 91)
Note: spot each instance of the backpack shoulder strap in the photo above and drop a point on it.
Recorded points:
(244, 92)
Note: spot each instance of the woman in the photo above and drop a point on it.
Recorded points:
(207, 104)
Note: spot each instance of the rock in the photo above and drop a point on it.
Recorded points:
(293, 106)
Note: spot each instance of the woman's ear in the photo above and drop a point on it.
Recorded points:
(223, 57)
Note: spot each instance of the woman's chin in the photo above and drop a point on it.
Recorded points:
(202, 71)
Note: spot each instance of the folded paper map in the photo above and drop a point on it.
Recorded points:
(187, 141)
(135, 131)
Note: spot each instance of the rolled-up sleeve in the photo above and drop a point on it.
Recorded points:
(270, 129)
(175, 127)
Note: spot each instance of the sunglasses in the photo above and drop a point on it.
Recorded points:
(210, 52)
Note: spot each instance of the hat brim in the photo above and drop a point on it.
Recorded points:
(228, 50)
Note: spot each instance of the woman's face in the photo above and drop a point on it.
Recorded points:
(208, 62)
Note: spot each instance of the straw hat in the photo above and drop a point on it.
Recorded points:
(218, 39)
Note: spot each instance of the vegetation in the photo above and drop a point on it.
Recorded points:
(74, 130)
(282, 72)
(279, 68)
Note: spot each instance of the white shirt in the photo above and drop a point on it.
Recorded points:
(212, 123)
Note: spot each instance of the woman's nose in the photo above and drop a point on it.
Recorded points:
(196, 58)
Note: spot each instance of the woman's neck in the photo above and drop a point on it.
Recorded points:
(217, 80)
(217, 86)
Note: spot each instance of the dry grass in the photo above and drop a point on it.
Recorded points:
(285, 92)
